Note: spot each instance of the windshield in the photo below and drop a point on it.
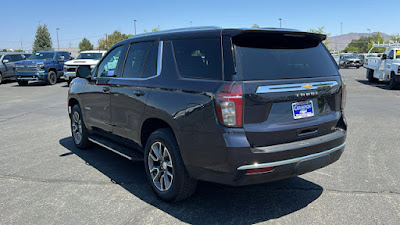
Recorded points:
(293, 59)
(42, 56)
(350, 56)
(96, 56)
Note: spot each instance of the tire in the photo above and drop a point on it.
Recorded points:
(358, 67)
(164, 167)
(22, 82)
(392, 82)
(69, 81)
(1, 78)
(370, 76)
(52, 78)
(80, 134)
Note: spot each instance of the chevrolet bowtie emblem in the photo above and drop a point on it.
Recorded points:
(307, 86)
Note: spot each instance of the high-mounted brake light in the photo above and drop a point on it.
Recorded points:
(230, 105)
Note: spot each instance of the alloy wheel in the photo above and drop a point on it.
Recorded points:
(160, 166)
(53, 78)
(76, 127)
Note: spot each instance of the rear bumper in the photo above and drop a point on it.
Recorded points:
(69, 75)
(283, 160)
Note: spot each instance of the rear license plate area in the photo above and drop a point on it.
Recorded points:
(302, 109)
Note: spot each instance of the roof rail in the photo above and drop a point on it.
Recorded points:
(385, 45)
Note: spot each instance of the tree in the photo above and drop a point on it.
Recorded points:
(110, 40)
(85, 45)
(364, 44)
(321, 30)
(18, 50)
(395, 37)
(4, 50)
(152, 30)
(42, 39)
(375, 38)
(255, 26)
(358, 45)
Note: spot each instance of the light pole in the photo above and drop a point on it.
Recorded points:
(134, 21)
(190, 23)
(280, 22)
(341, 28)
(58, 43)
(369, 32)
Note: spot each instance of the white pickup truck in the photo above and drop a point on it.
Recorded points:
(387, 67)
(91, 58)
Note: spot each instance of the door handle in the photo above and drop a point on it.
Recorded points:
(106, 89)
(138, 93)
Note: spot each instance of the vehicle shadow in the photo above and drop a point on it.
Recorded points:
(39, 83)
(212, 203)
(379, 84)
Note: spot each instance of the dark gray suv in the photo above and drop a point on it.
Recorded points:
(232, 106)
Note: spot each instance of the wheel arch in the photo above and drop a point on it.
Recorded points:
(52, 69)
(150, 125)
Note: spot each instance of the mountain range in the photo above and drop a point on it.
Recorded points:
(341, 41)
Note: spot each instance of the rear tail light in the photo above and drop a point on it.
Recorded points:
(344, 93)
(230, 105)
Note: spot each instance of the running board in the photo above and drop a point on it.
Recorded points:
(131, 154)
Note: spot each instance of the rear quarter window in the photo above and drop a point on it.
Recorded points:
(199, 58)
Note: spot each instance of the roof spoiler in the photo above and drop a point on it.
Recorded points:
(283, 32)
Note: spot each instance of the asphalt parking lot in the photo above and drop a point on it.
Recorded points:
(44, 179)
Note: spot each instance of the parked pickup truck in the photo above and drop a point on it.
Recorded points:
(387, 67)
(90, 58)
(45, 66)
(7, 60)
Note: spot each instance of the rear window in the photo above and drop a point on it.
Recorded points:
(199, 58)
(283, 57)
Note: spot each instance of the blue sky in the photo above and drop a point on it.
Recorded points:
(92, 19)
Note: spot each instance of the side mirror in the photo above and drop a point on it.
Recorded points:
(6, 61)
(61, 59)
(84, 71)
(384, 56)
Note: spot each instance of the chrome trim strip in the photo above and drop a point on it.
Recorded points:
(299, 144)
(295, 87)
(105, 146)
(160, 54)
(289, 161)
(28, 78)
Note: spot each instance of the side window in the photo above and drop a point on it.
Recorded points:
(150, 68)
(391, 55)
(15, 58)
(199, 58)
(135, 60)
(66, 55)
(8, 58)
(109, 64)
